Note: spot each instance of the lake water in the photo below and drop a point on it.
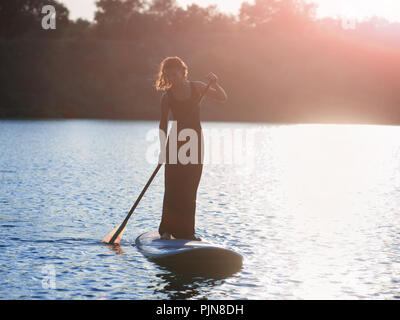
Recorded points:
(315, 213)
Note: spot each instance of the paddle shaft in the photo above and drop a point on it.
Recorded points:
(123, 224)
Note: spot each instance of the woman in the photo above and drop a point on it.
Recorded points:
(181, 180)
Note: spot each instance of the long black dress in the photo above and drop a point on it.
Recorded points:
(182, 180)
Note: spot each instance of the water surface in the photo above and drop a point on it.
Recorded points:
(315, 213)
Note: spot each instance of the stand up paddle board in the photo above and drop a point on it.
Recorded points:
(188, 256)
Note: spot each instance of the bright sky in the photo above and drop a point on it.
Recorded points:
(359, 9)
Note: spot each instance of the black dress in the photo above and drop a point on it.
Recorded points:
(182, 180)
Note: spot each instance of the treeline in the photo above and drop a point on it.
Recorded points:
(277, 62)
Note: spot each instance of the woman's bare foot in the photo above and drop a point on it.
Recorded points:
(165, 236)
(195, 238)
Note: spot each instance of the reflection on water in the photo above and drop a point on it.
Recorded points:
(178, 286)
(315, 215)
(116, 248)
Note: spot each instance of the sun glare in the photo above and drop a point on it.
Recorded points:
(358, 9)
(323, 157)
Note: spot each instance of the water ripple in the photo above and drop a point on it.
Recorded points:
(315, 217)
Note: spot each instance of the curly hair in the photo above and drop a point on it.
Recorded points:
(162, 82)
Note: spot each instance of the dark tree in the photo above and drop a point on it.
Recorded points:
(115, 18)
(277, 61)
(285, 13)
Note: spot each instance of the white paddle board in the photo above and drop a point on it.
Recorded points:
(188, 255)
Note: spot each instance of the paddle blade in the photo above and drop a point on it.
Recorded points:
(110, 235)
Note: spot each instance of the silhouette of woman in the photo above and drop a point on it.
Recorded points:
(181, 177)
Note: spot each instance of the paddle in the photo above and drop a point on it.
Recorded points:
(114, 237)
